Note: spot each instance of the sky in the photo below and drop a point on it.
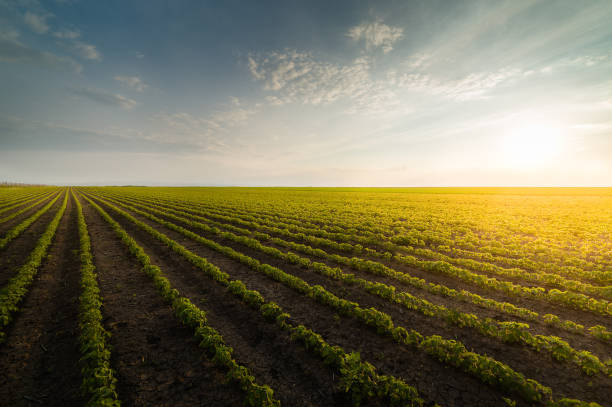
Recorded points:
(306, 93)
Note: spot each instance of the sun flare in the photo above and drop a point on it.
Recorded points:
(532, 144)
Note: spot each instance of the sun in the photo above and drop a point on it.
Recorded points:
(532, 144)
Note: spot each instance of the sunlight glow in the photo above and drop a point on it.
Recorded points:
(532, 144)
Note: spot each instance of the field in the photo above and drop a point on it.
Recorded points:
(305, 296)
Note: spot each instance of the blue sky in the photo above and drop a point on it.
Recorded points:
(410, 93)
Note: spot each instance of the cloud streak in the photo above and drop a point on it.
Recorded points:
(87, 51)
(133, 82)
(376, 34)
(103, 97)
(297, 77)
(67, 34)
(38, 23)
(470, 87)
(291, 76)
(12, 50)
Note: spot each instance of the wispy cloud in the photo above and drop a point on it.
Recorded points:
(87, 51)
(297, 77)
(231, 118)
(291, 76)
(472, 86)
(104, 97)
(12, 50)
(218, 121)
(214, 133)
(376, 34)
(133, 82)
(37, 22)
(67, 34)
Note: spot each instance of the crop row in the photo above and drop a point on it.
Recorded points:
(443, 266)
(12, 199)
(359, 378)
(195, 318)
(406, 244)
(433, 232)
(415, 241)
(18, 229)
(22, 202)
(381, 269)
(509, 332)
(451, 352)
(99, 379)
(18, 286)
(22, 210)
(565, 298)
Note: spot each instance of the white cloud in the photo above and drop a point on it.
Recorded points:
(133, 82)
(140, 55)
(273, 101)
(11, 50)
(9, 34)
(37, 22)
(473, 86)
(418, 61)
(297, 77)
(88, 51)
(219, 121)
(104, 97)
(253, 68)
(208, 133)
(376, 35)
(231, 118)
(67, 34)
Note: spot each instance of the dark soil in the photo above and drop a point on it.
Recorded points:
(156, 359)
(40, 358)
(6, 226)
(12, 201)
(578, 341)
(18, 250)
(435, 381)
(541, 306)
(297, 377)
(565, 378)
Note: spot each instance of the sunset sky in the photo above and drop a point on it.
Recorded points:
(330, 93)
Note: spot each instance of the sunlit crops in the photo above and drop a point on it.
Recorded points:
(316, 296)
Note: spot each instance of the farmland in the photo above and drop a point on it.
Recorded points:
(305, 296)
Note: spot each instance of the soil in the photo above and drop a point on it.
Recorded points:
(18, 250)
(578, 341)
(40, 357)
(297, 377)
(156, 359)
(436, 382)
(565, 378)
(9, 224)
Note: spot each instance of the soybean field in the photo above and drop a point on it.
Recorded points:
(198, 296)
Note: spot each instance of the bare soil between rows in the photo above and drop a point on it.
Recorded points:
(564, 378)
(541, 306)
(40, 358)
(156, 359)
(578, 341)
(6, 226)
(18, 250)
(436, 382)
(297, 377)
